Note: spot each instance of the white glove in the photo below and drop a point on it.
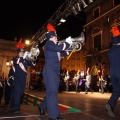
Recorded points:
(25, 54)
(69, 40)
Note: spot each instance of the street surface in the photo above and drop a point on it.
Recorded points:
(90, 106)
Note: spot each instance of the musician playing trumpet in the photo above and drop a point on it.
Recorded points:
(20, 67)
(51, 73)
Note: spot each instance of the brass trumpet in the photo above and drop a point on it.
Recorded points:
(33, 54)
(77, 42)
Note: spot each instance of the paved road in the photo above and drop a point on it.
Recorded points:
(91, 106)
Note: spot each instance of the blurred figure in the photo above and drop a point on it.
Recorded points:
(66, 80)
(88, 82)
(78, 82)
(1, 87)
(82, 73)
(7, 89)
(108, 83)
(103, 82)
(39, 81)
(11, 81)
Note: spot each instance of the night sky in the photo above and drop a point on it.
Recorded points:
(23, 18)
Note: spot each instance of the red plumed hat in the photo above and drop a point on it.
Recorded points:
(51, 31)
(115, 31)
(20, 46)
(50, 28)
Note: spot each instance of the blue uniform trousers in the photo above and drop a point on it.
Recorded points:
(7, 90)
(19, 87)
(11, 93)
(115, 80)
(51, 75)
(1, 93)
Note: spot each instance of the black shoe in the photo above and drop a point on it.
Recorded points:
(86, 93)
(42, 112)
(16, 111)
(110, 110)
(57, 118)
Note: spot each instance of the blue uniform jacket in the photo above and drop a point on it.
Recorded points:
(51, 49)
(114, 55)
(26, 63)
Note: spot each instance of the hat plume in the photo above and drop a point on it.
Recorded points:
(115, 31)
(50, 28)
(20, 44)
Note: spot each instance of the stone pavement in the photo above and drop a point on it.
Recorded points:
(80, 106)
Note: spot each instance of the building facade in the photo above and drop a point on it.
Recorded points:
(101, 15)
(99, 21)
(76, 61)
(7, 52)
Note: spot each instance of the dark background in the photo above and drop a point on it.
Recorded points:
(23, 18)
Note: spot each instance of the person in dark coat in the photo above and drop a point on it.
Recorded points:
(8, 88)
(78, 82)
(114, 59)
(1, 88)
(51, 73)
(20, 64)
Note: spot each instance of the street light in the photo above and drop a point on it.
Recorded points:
(7, 63)
(27, 42)
(62, 20)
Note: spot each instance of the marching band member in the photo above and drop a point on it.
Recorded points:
(1, 87)
(103, 82)
(20, 66)
(51, 72)
(99, 81)
(82, 73)
(78, 82)
(11, 83)
(88, 82)
(9, 87)
(114, 59)
(66, 80)
(74, 79)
